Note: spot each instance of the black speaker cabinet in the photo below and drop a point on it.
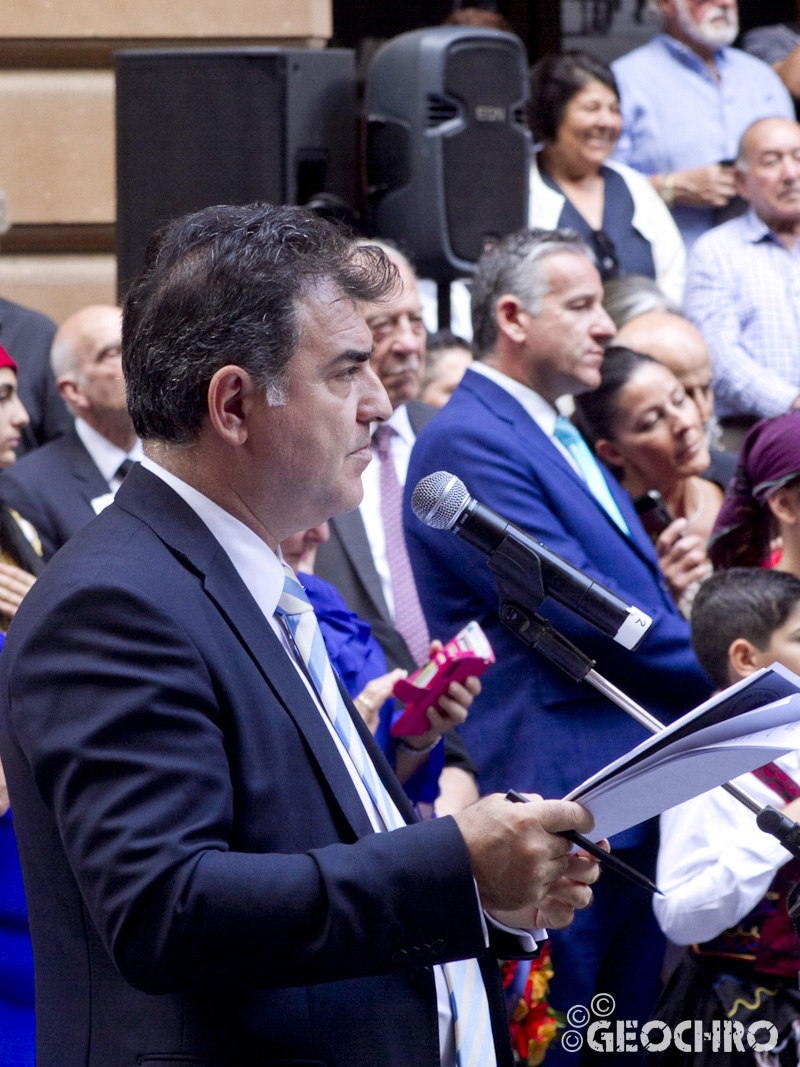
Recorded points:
(197, 127)
(448, 149)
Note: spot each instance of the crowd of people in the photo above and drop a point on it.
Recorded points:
(212, 580)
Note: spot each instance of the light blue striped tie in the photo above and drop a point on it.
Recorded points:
(589, 468)
(474, 1044)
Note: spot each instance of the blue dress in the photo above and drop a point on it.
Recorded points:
(358, 658)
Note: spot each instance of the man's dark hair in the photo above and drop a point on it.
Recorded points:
(596, 412)
(222, 286)
(747, 602)
(554, 80)
(514, 266)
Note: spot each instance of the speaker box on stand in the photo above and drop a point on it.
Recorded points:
(197, 127)
(448, 149)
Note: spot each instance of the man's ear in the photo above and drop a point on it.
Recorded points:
(229, 395)
(71, 394)
(508, 312)
(740, 181)
(608, 452)
(743, 658)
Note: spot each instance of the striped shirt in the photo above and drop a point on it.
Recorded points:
(743, 294)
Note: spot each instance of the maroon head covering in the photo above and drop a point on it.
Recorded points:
(770, 459)
(6, 360)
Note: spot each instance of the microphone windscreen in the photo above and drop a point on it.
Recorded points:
(439, 499)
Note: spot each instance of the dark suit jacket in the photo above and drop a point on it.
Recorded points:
(203, 883)
(346, 562)
(53, 488)
(533, 727)
(27, 335)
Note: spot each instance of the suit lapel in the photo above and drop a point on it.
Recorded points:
(353, 536)
(177, 525)
(90, 482)
(555, 468)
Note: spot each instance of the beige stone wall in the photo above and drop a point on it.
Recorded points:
(57, 124)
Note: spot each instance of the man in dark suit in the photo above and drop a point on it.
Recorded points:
(540, 330)
(64, 484)
(201, 814)
(27, 336)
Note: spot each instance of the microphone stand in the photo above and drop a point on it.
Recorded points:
(516, 576)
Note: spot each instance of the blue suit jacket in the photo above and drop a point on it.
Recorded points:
(187, 827)
(533, 727)
(53, 488)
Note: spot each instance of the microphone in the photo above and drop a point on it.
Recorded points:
(441, 500)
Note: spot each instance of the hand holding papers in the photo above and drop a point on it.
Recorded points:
(742, 728)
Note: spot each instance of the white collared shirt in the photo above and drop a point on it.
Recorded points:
(107, 458)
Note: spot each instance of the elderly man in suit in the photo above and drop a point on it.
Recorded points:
(540, 330)
(63, 485)
(220, 867)
(365, 556)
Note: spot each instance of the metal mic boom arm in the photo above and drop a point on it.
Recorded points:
(508, 563)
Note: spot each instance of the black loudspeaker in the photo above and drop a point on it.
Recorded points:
(448, 148)
(197, 127)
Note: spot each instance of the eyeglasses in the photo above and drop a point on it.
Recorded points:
(606, 254)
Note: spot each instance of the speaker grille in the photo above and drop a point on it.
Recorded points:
(440, 110)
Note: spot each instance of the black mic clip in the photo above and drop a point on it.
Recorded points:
(780, 826)
(516, 573)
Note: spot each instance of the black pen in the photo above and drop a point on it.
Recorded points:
(608, 859)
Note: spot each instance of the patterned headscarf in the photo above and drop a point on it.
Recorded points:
(770, 459)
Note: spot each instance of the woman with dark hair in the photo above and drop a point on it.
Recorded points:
(759, 523)
(641, 422)
(575, 119)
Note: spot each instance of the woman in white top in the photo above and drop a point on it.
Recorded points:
(575, 119)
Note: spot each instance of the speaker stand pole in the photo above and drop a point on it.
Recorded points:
(443, 297)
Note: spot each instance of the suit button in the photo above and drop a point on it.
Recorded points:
(414, 954)
(438, 947)
(400, 958)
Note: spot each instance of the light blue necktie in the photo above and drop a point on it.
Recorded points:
(473, 1030)
(589, 468)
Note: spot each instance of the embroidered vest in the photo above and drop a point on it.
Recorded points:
(765, 937)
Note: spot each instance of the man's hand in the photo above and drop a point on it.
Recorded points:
(14, 584)
(682, 558)
(522, 866)
(710, 186)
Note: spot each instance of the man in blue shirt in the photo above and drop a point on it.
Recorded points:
(687, 98)
(743, 290)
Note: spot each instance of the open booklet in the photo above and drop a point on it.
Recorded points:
(743, 727)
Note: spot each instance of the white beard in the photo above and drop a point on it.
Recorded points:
(708, 33)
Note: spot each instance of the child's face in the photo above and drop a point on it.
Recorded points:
(784, 647)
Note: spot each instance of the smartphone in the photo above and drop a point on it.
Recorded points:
(653, 512)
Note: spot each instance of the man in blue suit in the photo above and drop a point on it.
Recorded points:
(540, 331)
(201, 813)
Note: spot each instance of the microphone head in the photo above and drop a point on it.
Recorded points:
(439, 499)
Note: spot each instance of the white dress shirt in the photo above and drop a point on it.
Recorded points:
(107, 458)
(714, 864)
